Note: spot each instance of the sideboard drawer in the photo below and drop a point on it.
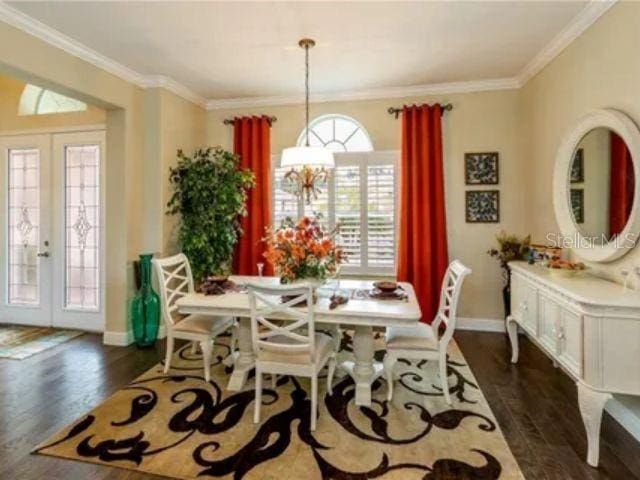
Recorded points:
(524, 304)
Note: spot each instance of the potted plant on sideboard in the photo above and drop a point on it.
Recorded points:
(510, 247)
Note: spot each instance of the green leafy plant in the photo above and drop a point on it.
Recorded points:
(510, 247)
(210, 194)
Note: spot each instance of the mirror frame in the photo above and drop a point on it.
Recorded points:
(628, 131)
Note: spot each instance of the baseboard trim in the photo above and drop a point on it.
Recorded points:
(117, 339)
(67, 325)
(123, 339)
(480, 324)
(625, 416)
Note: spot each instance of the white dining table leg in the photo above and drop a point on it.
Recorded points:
(364, 370)
(245, 360)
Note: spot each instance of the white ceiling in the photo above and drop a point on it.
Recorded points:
(223, 50)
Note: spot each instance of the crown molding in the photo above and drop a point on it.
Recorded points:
(583, 20)
(371, 94)
(35, 28)
(168, 83)
(587, 16)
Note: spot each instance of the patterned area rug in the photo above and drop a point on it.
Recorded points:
(18, 342)
(177, 426)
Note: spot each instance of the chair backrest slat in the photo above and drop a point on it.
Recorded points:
(449, 298)
(280, 326)
(175, 280)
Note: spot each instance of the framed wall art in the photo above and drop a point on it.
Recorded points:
(481, 168)
(482, 206)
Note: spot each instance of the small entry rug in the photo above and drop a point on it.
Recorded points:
(19, 342)
(177, 425)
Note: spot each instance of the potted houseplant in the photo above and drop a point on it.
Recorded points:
(210, 195)
(510, 247)
(302, 251)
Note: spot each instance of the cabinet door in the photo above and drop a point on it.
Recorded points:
(524, 304)
(570, 342)
(549, 315)
(517, 296)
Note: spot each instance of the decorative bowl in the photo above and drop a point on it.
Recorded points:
(566, 272)
(217, 279)
(386, 286)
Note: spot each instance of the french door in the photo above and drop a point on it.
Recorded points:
(52, 230)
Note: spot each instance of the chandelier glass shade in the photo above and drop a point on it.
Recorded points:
(295, 157)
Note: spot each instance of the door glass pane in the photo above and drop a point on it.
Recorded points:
(82, 227)
(24, 225)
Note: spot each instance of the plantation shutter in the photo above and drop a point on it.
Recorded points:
(286, 202)
(381, 235)
(361, 197)
(319, 207)
(347, 212)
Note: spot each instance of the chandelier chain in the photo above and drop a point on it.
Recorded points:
(306, 88)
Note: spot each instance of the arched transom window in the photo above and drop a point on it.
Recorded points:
(39, 101)
(338, 133)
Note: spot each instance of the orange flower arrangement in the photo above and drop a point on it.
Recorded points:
(302, 250)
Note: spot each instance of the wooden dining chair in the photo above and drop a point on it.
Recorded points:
(175, 280)
(426, 342)
(289, 347)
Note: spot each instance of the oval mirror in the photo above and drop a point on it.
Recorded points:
(595, 183)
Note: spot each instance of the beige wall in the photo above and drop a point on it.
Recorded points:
(173, 123)
(32, 60)
(486, 121)
(10, 93)
(600, 69)
(144, 128)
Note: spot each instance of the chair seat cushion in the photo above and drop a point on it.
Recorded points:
(323, 345)
(202, 324)
(420, 337)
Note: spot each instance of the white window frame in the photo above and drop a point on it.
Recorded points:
(363, 160)
(332, 117)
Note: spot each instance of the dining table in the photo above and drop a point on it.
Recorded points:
(363, 312)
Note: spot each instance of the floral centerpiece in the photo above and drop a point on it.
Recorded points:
(303, 251)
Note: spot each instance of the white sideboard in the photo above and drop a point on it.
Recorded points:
(590, 327)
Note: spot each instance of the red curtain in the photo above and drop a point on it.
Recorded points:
(252, 142)
(622, 185)
(422, 245)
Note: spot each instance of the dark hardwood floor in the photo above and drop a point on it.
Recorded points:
(535, 405)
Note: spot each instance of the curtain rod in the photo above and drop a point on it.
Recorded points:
(231, 121)
(447, 107)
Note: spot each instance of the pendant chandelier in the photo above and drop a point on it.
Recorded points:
(309, 165)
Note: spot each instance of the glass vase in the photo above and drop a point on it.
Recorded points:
(145, 307)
